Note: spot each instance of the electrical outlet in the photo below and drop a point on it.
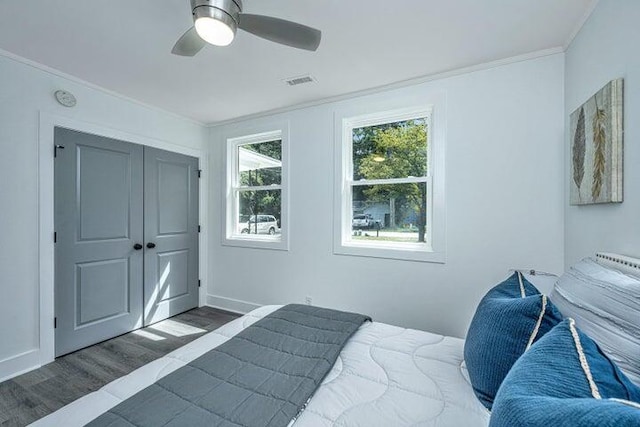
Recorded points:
(307, 300)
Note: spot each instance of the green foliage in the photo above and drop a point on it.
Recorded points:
(396, 150)
(363, 141)
(403, 148)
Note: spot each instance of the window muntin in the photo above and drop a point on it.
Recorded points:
(387, 200)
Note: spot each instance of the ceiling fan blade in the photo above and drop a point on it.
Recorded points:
(189, 44)
(281, 31)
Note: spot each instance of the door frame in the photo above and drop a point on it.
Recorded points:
(46, 267)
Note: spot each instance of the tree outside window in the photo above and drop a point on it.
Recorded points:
(390, 181)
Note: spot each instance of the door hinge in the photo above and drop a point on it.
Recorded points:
(199, 229)
(199, 173)
(56, 148)
(199, 283)
(55, 322)
(55, 237)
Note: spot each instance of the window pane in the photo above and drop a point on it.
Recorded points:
(260, 164)
(390, 213)
(259, 212)
(390, 150)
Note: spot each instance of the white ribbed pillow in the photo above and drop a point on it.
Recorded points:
(605, 304)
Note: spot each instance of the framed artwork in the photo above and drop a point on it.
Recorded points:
(596, 138)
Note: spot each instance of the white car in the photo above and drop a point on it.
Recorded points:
(265, 224)
(364, 221)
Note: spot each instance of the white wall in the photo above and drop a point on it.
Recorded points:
(25, 91)
(606, 48)
(504, 175)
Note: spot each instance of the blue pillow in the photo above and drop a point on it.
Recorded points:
(509, 319)
(551, 386)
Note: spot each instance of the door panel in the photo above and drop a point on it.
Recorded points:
(98, 218)
(101, 290)
(171, 224)
(172, 184)
(103, 215)
(173, 271)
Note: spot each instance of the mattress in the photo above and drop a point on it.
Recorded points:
(384, 376)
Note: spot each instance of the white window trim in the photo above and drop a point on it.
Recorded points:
(345, 122)
(229, 233)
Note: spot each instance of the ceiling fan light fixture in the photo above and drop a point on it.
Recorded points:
(214, 25)
(216, 22)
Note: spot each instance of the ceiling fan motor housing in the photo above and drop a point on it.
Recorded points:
(227, 11)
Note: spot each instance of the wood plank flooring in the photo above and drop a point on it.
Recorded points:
(35, 394)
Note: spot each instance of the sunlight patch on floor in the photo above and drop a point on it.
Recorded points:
(149, 335)
(177, 329)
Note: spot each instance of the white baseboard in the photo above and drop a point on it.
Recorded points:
(230, 304)
(19, 364)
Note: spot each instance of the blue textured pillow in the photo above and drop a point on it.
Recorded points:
(509, 319)
(551, 386)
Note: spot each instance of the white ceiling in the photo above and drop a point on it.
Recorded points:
(124, 46)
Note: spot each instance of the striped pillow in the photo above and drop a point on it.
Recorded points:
(566, 380)
(605, 304)
(509, 319)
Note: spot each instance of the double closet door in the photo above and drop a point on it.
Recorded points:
(126, 232)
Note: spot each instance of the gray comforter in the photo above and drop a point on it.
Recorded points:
(264, 376)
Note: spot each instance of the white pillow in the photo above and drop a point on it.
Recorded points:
(605, 304)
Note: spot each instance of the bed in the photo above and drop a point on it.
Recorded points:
(384, 375)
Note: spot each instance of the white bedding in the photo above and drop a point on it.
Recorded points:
(384, 376)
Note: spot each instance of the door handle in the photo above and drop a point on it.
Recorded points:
(137, 246)
(151, 245)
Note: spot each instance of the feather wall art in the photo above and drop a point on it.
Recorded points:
(596, 131)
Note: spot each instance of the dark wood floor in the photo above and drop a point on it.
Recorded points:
(35, 394)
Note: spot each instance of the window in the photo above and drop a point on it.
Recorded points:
(386, 186)
(256, 208)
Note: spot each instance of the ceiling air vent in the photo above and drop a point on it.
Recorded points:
(295, 81)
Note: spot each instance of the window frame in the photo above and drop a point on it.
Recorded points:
(433, 249)
(230, 235)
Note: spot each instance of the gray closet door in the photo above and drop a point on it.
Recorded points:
(171, 234)
(98, 219)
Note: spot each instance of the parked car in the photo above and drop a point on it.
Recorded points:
(265, 224)
(364, 221)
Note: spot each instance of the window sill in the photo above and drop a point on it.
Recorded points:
(257, 242)
(404, 252)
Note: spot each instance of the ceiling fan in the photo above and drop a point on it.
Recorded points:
(216, 22)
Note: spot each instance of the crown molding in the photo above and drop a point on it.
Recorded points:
(398, 85)
(77, 80)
